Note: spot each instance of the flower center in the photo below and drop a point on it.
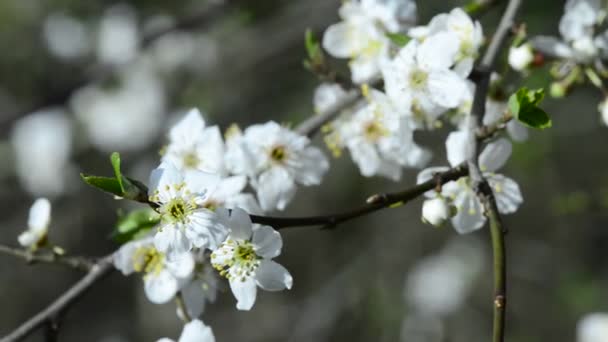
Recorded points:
(176, 210)
(148, 260)
(278, 154)
(237, 259)
(190, 160)
(418, 79)
(373, 131)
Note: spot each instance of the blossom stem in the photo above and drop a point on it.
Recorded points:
(484, 191)
(374, 203)
(52, 314)
(79, 263)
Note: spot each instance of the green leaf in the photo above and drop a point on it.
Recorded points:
(523, 105)
(135, 225)
(311, 43)
(107, 184)
(398, 39)
(115, 159)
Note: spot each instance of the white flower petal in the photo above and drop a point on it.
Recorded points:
(160, 288)
(314, 165)
(245, 292)
(28, 238)
(337, 40)
(228, 187)
(275, 188)
(181, 267)
(164, 175)
(206, 229)
(495, 155)
(196, 331)
(447, 88)
(267, 242)
(191, 125)
(507, 193)
(200, 182)
(240, 224)
(40, 215)
(470, 214)
(271, 276)
(438, 51)
(171, 241)
(457, 146)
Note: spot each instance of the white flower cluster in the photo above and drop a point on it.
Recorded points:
(577, 27)
(198, 193)
(425, 79)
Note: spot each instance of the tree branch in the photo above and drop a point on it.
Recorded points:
(484, 191)
(52, 314)
(79, 263)
(374, 203)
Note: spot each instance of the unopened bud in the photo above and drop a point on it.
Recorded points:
(521, 57)
(436, 211)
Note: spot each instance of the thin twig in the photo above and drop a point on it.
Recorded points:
(374, 203)
(484, 191)
(79, 263)
(55, 310)
(181, 307)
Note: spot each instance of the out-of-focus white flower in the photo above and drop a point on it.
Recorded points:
(37, 225)
(380, 139)
(592, 328)
(438, 285)
(245, 258)
(192, 146)
(42, 144)
(276, 158)
(118, 37)
(577, 27)
(65, 36)
(162, 277)
(603, 107)
(184, 221)
(470, 212)
(361, 35)
(419, 78)
(466, 33)
(494, 113)
(201, 288)
(327, 96)
(520, 57)
(126, 118)
(195, 331)
(436, 211)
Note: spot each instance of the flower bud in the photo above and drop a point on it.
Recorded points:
(557, 90)
(521, 57)
(435, 211)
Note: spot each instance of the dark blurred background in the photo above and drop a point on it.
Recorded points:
(112, 76)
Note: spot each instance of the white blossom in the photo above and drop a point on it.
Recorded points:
(577, 27)
(380, 139)
(185, 222)
(419, 78)
(194, 331)
(42, 145)
(469, 216)
(436, 211)
(162, 277)
(66, 36)
(245, 258)
(592, 328)
(118, 38)
(327, 96)
(201, 288)
(466, 33)
(361, 35)
(520, 57)
(192, 146)
(276, 159)
(37, 224)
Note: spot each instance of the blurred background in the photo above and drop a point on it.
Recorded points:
(80, 79)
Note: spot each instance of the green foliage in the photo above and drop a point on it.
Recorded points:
(107, 184)
(135, 225)
(316, 58)
(523, 105)
(120, 185)
(398, 39)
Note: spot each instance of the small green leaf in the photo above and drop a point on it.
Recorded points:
(135, 225)
(107, 184)
(115, 159)
(311, 43)
(398, 39)
(523, 105)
